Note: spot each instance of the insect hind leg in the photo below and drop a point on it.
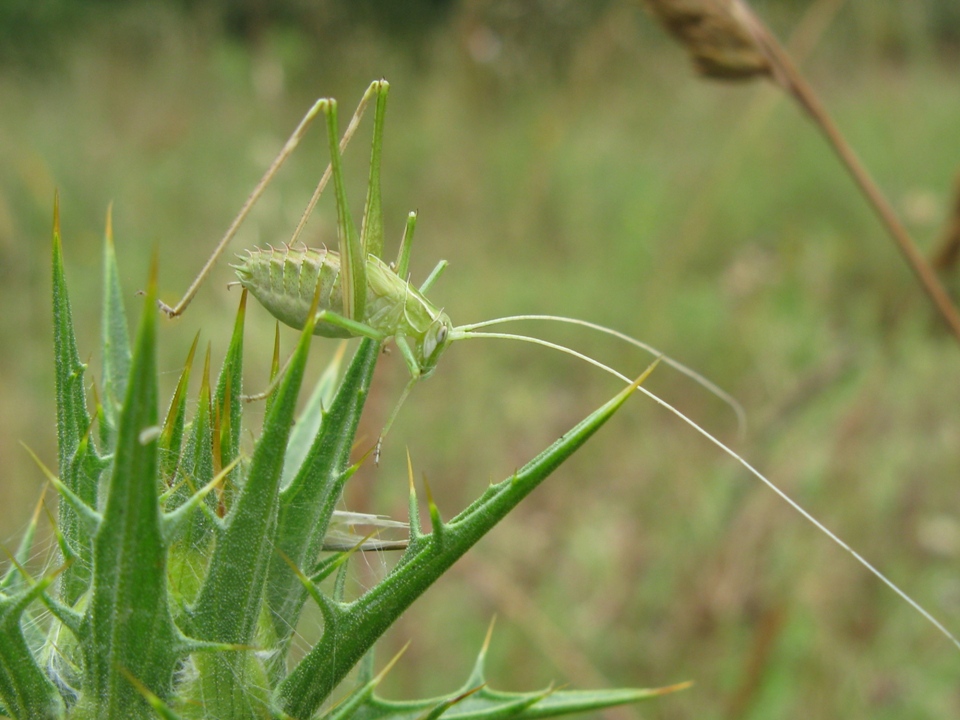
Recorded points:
(328, 172)
(272, 170)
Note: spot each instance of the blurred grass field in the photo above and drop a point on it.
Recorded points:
(591, 176)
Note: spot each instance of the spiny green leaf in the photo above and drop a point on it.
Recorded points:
(189, 552)
(475, 700)
(80, 472)
(158, 705)
(129, 626)
(196, 466)
(303, 691)
(13, 579)
(230, 603)
(172, 435)
(348, 707)
(25, 689)
(88, 517)
(72, 417)
(413, 509)
(308, 502)
(487, 704)
(227, 404)
(437, 528)
(115, 338)
(227, 608)
(274, 369)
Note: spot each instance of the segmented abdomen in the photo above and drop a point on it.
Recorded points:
(284, 280)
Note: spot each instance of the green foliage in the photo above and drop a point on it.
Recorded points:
(186, 566)
(736, 243)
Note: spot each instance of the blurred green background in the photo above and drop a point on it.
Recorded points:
(565, 160)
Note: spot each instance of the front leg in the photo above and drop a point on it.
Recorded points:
(356, 329)
(414, 368)
(408, 357)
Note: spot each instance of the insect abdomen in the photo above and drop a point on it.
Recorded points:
(284, 280)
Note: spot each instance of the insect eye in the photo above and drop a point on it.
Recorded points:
(441, 335)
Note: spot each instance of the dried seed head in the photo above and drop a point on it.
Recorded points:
(716, 34)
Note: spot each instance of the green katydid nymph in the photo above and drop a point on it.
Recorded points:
(360, 295)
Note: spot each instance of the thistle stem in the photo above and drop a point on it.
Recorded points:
(789, 78)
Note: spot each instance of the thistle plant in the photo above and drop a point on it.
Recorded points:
(184, 564)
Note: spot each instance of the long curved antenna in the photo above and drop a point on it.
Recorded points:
(709, 385)
(469, 335)
(463, 333)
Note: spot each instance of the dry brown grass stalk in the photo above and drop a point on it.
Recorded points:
(728, 40)
(948, 248)
(699, 217)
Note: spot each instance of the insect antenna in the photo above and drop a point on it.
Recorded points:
(467, 332)
(705, 383)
